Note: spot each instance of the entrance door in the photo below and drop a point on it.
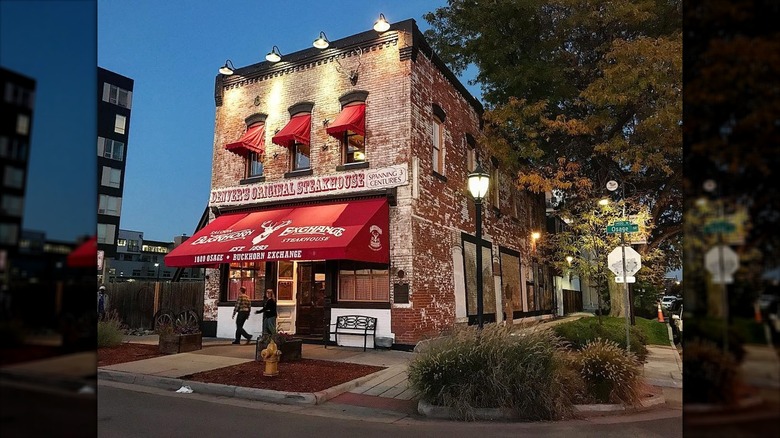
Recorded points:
(310, 319)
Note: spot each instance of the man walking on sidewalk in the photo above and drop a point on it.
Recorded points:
(243, 307)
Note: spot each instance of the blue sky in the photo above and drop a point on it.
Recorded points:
(53, 42)
(172, 51)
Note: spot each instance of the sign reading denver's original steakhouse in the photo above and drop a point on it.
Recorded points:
(341, 183)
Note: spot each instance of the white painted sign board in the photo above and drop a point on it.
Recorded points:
(633, 263)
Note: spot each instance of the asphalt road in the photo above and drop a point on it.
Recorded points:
(134, 411)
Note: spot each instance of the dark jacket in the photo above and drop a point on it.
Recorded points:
(268, 308)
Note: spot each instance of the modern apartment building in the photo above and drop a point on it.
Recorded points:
(115, 99)
(16, 111)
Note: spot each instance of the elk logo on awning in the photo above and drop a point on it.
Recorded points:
(269, 227)
(375, 243)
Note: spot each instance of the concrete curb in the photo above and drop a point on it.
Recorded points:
(747, 403)
(493, 414)
(257, 394)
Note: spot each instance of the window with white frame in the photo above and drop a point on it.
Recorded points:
(119, 124)
(105, 233)
(112, 149)
(111, 177)
(110, 205)
(13, 177)
(121, 242)
(12, 205)
(116, 95)
(22, 124)
(301, 156)
(363, 282)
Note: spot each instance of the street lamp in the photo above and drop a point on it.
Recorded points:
(479, 181)
(157, 265)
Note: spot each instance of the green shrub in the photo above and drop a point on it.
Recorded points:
(577, 333)
(525, 373)
(610, 375)
(711, 330)
(710, 375)
(110, 330)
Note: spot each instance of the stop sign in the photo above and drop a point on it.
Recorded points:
(615, 261)
(718, 257)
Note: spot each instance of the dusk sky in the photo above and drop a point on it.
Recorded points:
(172, 50)
(53, 42)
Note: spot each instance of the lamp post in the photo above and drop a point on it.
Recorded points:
(479, 181)
(157, 265)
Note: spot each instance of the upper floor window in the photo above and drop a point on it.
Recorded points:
(18, 95)
(12, 205)
(22, 124)
(111, 149)
(120, 123)
(495, 183)
(110, 205)
(111, 177)
(301, 156)
(13, 177)
(9, 233)
(471, 153)
(296, 135)
(251, 145)
(132, 245)
(350, 128)
(116, 95)
(437, 138)
(254, 165)
(121, 242)
(106, 233)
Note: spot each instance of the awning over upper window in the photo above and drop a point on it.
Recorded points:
(84, 256)
(355, 230)
(253, 140)
(351, 118)
(297, 130)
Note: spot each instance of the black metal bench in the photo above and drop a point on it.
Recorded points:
(355, 325)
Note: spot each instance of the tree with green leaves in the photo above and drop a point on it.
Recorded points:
(580, 92)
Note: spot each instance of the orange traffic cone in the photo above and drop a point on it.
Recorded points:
(660, 314)
(757, 312)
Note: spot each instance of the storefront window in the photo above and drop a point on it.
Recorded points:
(251, 275)
(284, 285)
(363, 282)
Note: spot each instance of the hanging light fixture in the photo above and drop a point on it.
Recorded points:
(322, 41)
(227, 70)
(274, 55)
(381, 25)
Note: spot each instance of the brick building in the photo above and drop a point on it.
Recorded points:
(339, 180)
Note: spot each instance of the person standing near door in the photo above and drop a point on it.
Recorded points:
(269, 312)
(243, 307)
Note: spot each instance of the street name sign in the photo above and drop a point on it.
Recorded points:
(622, 227)
(725, 257)
(719, 226)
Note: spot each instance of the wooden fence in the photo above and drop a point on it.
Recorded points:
(572, 301)
(137, 302)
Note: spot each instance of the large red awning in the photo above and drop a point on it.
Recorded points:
(253, 140)
(297, 130)
(84, 256)
(355, 230)
(351, 118)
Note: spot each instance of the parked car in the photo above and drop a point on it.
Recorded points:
(676, 324)
(668, 300)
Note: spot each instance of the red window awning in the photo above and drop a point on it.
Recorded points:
(84, 256)
(355, 230)
(297, 130)
(253, 140)
(351, 118)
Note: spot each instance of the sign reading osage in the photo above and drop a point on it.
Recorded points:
(362, 180)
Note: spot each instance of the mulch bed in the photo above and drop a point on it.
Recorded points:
(126, 352)
(304, 375)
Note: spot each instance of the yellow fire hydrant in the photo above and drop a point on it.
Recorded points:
(270, 356)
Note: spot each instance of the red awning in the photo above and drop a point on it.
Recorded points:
(356, 230)
(297, 130)
(84, 256)
(351, 118)
(252, 141)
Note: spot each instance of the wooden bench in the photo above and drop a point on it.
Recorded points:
(356, 325)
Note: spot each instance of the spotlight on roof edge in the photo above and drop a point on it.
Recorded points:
(274, 55)
(381, 25)
(227, 70)
(321, 42)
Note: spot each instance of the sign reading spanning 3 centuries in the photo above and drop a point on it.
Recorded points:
(342, 183)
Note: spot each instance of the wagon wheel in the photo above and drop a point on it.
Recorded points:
(187, 320)
(163, 318)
